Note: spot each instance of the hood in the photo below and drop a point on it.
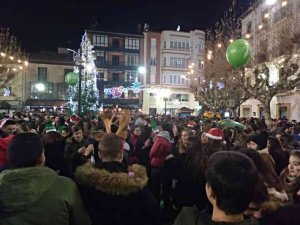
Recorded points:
(21, 188)
(166, 135)
(117, 183)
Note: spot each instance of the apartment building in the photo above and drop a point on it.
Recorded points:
(269, 25)
(174, 60)
(118, 58)
(45, 86)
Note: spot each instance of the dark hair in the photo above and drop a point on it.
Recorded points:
(76, 129)
(52, 137)
(213, 146)
(274, 144)
(266, 173)
(195, 161)
(295, 153)
(232, 177)
(181, 147)
(24, 150)
(110, 146)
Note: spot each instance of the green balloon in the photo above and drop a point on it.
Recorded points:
(239, 53)
(72, 78)
(227, 123)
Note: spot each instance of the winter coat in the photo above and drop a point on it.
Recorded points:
(37, 195)
(3, 149)
(192, 216)
(115, 196)
(72, 157)
(54, 153)
(188, 190)
(161, 148)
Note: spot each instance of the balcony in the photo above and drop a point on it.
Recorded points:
(121, 103)
(101, 64)
(116, 67)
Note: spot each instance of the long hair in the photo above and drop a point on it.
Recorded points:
(195, 159)
(266, 173)
(275, 145)
(181, 146)
(213, 146)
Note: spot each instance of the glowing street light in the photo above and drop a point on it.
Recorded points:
(284, 3)
(142, 70)
(40, 87)
(271, 2)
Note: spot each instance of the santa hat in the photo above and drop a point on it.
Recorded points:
(74, 119)
(50, 127)
(3, 121)
(215, 134)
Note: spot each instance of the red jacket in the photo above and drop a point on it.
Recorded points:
(159, 151)
(3, 148)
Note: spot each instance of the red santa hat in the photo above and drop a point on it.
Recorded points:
(74, 119)
(3, 121)
(215, 134)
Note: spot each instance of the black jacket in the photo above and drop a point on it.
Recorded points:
(188, 190)
(114, 196)
(72, 157)
(54, 153)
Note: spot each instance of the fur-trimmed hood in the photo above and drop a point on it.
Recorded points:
(113, 183)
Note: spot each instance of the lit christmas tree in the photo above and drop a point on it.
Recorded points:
(85, 66)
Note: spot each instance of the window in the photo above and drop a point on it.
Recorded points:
(153, 61)
(131, 59)
(184, 97)
(174, 79)
(100, 40)
(179, 97)
(62, 90)
(165, 61)
(132, 43)
(116, 43)
(66, 71)
(165, 44)
(131, 76)
(100, 57)
(187, 46)
(41, 94)
(115, 60)
(175, 45)
(115, 77)
(179, 45)
(101, 75)
(42, 73)
(178, 62)
(249, 27)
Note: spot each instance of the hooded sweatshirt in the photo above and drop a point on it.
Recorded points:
(37, 195)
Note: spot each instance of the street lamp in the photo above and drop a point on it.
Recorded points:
(165, 94)
(165, 99)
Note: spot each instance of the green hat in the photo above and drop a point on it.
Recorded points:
(50, 127)
(61, 128)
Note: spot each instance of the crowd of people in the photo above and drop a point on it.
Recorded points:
(118, 168)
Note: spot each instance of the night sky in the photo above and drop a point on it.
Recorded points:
(48, 24)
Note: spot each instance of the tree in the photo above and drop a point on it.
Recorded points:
(223, 85)
(85, 66)
(278, 72)
(12, 61)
